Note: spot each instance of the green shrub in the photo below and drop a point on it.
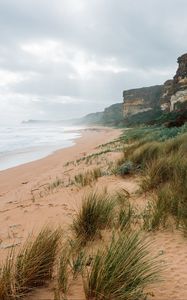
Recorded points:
(125, 168)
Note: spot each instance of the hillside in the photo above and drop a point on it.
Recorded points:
(112, 115)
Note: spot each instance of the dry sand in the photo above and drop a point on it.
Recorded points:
(26, 204)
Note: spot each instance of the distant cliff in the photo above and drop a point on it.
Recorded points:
(112, 115)
(141, 100)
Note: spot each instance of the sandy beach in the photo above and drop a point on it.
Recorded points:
(29, 199)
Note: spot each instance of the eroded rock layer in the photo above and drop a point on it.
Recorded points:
(141, 100)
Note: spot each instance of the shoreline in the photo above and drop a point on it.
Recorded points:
(26, 201)
(20, 156)
(90, 138)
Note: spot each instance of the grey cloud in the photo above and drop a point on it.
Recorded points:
(142, 37)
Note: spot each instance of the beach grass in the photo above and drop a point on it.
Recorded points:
(63, 270)
(88, 177)
(159, 155)
(121, 270)
(31, 267)
(7, 287)
(94, 215)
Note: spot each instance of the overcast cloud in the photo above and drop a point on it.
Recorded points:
(64, 58)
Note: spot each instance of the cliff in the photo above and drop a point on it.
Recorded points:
(141, 100)
(170, 96)
(175, 90)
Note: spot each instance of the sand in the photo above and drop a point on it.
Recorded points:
(27, 203)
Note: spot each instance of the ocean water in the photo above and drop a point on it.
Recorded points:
(25, 143)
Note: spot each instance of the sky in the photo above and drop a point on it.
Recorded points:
(62, 59)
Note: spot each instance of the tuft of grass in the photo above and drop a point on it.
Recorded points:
(78, 262)
(31, 267)
(94, 215)
(7, 288)
(55, 184)
(146, 153)
(88, 177)
(34, 262)
(125, 216)
(164, 169)
(122, 197)
(62, 271)
(176, 144)
(125, 211)
(122, 270)
(155, 214)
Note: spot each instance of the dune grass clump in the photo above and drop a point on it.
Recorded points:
(167, 176)
(94, 215)
(168, 168)
(146, 153)
(62, 271)
(71, 262)
(122, 197)
(122, 270)
(77, 259)
(177, 144)
(87, 178)
(125, 212)
(175, 195)
(55, 184)
(31, 267)
(7, 288)
(155, 214)
(125, 216)
(34, 262)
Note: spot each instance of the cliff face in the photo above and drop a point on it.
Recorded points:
(175, 91)
(141, 100)
(169, 97)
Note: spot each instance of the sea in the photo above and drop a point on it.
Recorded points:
(20, 144)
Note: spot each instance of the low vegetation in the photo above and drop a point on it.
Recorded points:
(63, 271)
(159, 155)
(122, 269)
(95, 214)
(87, 178)
(31, 267)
